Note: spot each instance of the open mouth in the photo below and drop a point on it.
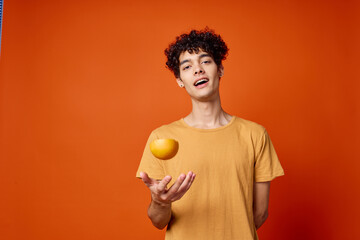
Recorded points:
(201, 82)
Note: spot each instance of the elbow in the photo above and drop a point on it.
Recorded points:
(260, 218)
(157, 222)
(159, 225)
(265, 215)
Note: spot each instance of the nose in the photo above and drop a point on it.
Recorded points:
(198, 69)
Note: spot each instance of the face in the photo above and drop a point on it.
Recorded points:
(200, 75)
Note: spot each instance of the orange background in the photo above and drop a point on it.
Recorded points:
(83, 83)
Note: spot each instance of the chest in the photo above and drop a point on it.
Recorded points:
(213, 155)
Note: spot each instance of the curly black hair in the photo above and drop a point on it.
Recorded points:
(206, 40)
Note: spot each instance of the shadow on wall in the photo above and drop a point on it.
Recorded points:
(302, 218)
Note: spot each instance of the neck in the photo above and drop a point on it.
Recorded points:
(207, 115)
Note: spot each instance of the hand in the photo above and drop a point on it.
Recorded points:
(159, 191)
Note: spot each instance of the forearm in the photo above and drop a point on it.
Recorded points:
(159, 214)
(260, 218)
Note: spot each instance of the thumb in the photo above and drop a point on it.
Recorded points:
(146, 179)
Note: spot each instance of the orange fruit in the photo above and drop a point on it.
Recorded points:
(164, 148)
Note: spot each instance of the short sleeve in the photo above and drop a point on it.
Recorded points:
(150, 164)
(267, 164)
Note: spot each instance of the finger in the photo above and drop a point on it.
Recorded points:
(187, 181)
(183, 189)
(191, 181)
(175, 187)
(146, 179)
(163, 183)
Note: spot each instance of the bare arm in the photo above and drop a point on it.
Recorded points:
(261, 202)
(159, 210)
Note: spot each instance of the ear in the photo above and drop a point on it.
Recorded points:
(221, 71)
(180, 82)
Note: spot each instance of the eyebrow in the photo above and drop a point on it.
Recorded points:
(201, 56)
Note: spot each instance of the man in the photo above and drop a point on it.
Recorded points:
(229, 161)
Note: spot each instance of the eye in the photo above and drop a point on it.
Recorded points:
(207, 61)
(186, 67)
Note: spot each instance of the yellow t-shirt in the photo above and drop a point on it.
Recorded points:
(226, 160)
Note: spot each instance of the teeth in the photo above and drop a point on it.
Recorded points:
(200, 81)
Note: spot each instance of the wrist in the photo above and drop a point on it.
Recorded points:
(160, 204)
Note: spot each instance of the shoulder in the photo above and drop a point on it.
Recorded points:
(252, 131)
(169, 128)
(249, 126)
